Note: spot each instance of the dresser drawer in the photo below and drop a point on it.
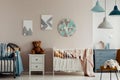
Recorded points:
(37, 67)
(37, 59)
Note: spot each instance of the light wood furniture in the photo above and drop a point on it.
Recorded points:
(108, 69)
(36, 63)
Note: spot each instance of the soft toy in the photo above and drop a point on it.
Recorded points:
(112, 64)
(37, 48)
(57, 53)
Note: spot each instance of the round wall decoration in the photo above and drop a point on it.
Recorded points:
(66, 28)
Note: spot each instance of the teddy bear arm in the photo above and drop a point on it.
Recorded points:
(33, 51)
(41, 50)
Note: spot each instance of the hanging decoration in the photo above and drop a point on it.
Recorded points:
(66, 28)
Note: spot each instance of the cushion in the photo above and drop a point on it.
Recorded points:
(3, 49)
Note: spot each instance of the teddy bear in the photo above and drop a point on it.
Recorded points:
(57, 53)
(37, 48)
(112, 64)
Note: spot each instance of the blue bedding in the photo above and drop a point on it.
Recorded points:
(19, 65)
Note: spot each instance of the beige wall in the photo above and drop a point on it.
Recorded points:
(110, 36)
(13, 12)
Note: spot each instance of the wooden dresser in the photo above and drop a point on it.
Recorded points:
(36, 62)
(101, 55)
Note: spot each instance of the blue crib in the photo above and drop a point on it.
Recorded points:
(10, 59)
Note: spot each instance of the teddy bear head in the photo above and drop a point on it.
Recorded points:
(36, 43)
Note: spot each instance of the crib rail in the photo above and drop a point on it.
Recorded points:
(68, 53)
(7, 60)
(73, 60)
(67, 60)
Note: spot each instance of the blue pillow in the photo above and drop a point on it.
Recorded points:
(3, 49)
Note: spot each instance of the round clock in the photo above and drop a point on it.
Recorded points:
(66, 28)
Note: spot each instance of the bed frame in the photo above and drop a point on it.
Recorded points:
(85, 56)
(66, 57)
(8, 61)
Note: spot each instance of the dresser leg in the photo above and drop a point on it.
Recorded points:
(43, 73)
(101, 75)
(29, 72)
(116, 75)
(110, 76)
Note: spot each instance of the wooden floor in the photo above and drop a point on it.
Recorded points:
(106, 76)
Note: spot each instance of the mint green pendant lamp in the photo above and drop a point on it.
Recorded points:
(97, 7)
(115, 11)
(105, 24)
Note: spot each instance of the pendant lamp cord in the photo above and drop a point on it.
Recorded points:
(115, 2)
(105, 8)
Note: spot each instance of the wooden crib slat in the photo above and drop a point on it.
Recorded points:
(1, 58)
(4, 66)
(7, 65)
(14, 68)
(1, 65)
(10, 63)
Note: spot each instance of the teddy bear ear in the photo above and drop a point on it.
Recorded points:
(33, 42)
(39, 41)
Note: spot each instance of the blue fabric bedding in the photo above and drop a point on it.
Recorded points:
(19, 65)
(3, 49)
